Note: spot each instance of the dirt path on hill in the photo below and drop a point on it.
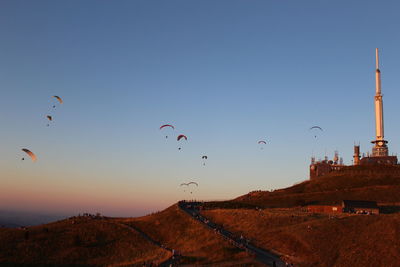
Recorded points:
(263, 256)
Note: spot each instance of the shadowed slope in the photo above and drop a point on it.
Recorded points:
(81, 240)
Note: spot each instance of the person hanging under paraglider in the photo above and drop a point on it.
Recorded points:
(204, 160)
(179, 138)
(262, 142)
(30, 154)
(50, 118)
(313, 131)
(191, 188)
(59, 100)
(167, 125)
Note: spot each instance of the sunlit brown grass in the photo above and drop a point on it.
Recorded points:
(113, 242)
(198, 244)
(317, 239)
(358, 183)
(304, 238)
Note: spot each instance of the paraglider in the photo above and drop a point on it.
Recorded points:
(188, 186)
(50, 118)
(30, 153)
(167, 125)
(262, 142)
(204, 160)
(59, 100)
(180, 137)
(315, 127)
(184, 184)
(192, 183)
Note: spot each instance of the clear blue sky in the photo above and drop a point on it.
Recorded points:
(225, 73)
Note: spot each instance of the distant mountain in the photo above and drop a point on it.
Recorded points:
(14, 219)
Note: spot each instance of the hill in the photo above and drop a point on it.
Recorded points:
(198, 245)
(374, 183)
(316, 239)
(100, 241)
(277, 222)
(79, 240)
(274, 221)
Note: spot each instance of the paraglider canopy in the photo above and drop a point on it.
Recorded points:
(188, 186)
(30, 153)
(204, 160)
(167, 125)
(316, 127)
(181, 136)
(58, 98)
(262, 142)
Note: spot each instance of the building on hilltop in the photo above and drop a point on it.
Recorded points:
(325, 208)
(380, 150)
(323, 167)
(348, 206)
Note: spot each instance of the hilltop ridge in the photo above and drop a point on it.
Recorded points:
(373, 183)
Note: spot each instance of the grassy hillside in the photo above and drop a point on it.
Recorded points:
(82, 240)
(113, 242)
(199, 245)
(318, 240)
(375, 183)
(304, 238)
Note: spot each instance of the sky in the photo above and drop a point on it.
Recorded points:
(225, 73)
